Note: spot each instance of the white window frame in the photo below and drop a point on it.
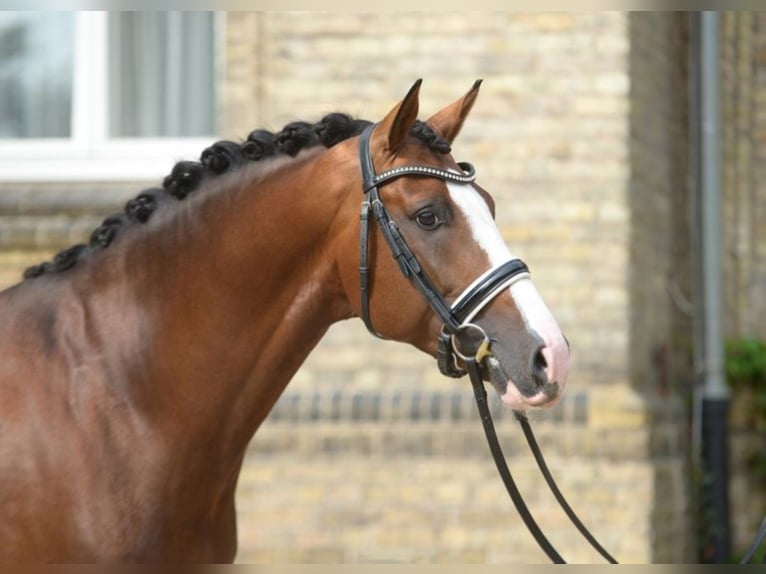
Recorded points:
(90, 154)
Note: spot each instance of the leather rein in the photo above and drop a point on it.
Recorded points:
(457, 339)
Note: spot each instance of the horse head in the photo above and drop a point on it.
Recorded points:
(452, 282)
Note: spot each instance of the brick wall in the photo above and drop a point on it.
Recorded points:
(658, 248)
(743, 71)
(579, 133)
(37, 220)
(426, 491)
(756, 204)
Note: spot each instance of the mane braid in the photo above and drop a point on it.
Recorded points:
(222, 157)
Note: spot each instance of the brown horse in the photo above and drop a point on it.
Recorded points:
(132, 378)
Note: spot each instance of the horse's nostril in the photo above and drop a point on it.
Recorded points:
(540, 366)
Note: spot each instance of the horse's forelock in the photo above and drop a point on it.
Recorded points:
(430, 138)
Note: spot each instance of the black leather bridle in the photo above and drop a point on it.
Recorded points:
(458, 334)
(454, 317)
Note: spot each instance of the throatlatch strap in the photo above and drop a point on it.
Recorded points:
(364, 267)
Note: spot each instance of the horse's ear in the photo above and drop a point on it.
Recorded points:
(449, 120)
(393, 129)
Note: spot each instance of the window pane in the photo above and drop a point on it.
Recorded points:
(36, 72)
(161, 74)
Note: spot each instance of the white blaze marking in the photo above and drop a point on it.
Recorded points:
(536, 314)
(480, 221)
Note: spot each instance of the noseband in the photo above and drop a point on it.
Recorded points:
(456, 317)
(455, 337)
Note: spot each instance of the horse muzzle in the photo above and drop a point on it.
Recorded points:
(534, 392)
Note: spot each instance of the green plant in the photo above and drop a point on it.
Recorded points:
(746, 364)
(746, 375)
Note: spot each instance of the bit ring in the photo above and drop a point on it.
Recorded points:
(482, 349)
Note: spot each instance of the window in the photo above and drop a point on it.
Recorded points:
(171, 56)
(36, 81)
(96, 95)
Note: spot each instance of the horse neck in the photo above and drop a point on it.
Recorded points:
(237, 289)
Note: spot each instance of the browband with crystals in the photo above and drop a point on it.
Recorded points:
(468, 175)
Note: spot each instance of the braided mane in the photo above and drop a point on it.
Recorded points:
(222, 157)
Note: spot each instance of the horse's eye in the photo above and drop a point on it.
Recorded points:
(427, 220)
